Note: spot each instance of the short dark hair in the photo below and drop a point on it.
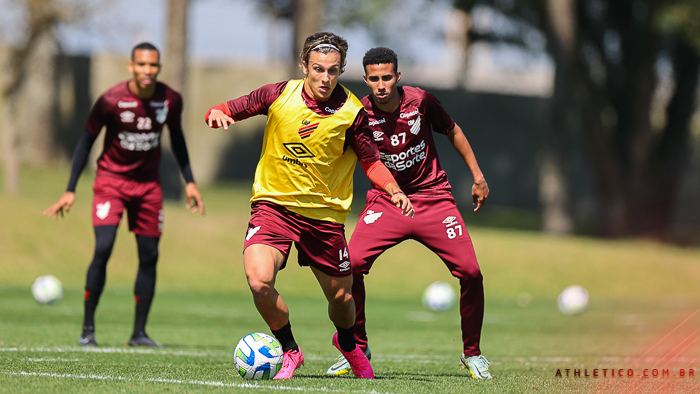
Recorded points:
(145, 46)
(380, 55)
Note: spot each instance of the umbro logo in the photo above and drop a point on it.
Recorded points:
(372, 216)
(299, 150)
(378, 135)
(344, 266)
(450, 221)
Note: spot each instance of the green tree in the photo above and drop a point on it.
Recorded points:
(612, 78)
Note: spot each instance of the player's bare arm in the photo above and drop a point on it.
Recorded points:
(480, 189)
(217, 118)
(66, 201)
(194, 198)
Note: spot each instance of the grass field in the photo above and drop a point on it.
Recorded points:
(644, 312)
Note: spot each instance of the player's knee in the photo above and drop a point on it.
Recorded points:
(258, 287)
(470, 273)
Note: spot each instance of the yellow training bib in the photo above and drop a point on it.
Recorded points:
(302, 166)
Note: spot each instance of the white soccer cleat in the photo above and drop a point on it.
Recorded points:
(478, 366)
(342, 366)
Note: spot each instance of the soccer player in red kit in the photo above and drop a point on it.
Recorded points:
(128, 178)
(316, 131)
(401, 119)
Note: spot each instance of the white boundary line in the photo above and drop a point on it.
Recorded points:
(191, 382)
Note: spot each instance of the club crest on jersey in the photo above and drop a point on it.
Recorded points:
(372, 216)
(162, 113)
(127, 117)
(306, 129)
(415, 125)
(102, 210)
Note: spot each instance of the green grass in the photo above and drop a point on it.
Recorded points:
(643, 296)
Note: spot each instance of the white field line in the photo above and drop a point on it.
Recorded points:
(415, 358)
(191, 382)
(66, 349)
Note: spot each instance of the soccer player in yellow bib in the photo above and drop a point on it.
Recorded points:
(316, 131)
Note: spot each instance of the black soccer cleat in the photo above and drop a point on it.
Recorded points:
(141, 339)
(87, 338)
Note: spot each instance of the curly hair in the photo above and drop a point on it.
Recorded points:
(380, 55)
(328, 42)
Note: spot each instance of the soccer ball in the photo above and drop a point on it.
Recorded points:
(439, 296)
(258, 356)
(573, 300)
(47, 289)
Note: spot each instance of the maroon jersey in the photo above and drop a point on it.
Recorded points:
(134, 125)
(358, 136)
(406, 143)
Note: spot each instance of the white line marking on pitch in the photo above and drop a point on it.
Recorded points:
(193, 382)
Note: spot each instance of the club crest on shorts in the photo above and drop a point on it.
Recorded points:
(102, 210)
(251, 232)
(372, 216)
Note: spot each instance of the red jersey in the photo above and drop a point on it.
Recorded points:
(358, 136)
(406, 143)
(134, 126)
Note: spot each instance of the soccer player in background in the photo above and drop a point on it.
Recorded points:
(128, 177)
(316, 131)
(401, 118)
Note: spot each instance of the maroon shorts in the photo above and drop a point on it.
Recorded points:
(143, 202)
(321, 244)
(437, 224)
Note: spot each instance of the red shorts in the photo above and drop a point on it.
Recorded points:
(437, 224)
(321, 244)
(142, 200)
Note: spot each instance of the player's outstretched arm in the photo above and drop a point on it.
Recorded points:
(80, 157)
(480, 189)
(216, 118)
(66, 201)
(194, 198)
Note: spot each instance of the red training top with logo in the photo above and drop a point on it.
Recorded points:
(358, 136)
(406, 143)
(134, 125)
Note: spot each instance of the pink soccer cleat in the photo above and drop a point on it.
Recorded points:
(358, 361)
(291, 360)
